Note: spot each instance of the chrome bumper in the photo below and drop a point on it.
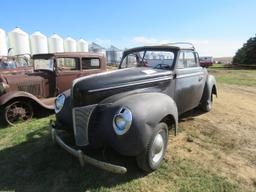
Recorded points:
(82, 157)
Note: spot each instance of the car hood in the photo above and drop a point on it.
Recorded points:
(102, 85)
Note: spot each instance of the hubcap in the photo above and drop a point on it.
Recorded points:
(157, 148)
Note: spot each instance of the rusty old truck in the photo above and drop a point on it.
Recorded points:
(23, 95)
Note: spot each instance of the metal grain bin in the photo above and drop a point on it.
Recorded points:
(18, 41)
(55, 44)
(96, 48)
(3, 43)
(114, 55)
(38, 43)
(69, 45)
(82, 45)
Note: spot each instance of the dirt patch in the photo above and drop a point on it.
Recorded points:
(223, 140)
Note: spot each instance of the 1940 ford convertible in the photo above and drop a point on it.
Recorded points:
(131, 110)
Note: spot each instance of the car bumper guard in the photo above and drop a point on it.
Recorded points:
(83, 158)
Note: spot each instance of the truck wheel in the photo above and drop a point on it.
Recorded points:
(150, 159)
(17, 111)
(207, 106)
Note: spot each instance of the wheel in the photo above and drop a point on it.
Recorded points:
(150, 159)
(207, 106)
(17, 111)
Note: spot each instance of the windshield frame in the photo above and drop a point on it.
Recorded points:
(145, 49)
(44, 58)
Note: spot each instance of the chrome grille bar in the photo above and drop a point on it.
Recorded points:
(81, 118)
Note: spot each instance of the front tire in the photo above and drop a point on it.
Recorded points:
(150, 159)
(17, 111)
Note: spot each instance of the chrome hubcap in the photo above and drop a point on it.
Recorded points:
(157, 148)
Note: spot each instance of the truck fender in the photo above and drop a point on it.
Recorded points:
(148, 109)
(21, 94)
(209, 89)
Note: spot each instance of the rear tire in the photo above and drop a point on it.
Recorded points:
(150, 159)
(17, 111)
(207, 106)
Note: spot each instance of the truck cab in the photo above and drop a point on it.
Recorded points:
(22, 94)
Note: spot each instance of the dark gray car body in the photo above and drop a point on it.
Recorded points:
(160, 96)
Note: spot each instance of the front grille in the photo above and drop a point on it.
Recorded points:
(33, 89)
(81, 118)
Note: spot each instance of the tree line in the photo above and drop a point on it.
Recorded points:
(246, 55)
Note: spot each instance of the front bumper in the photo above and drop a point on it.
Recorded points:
(83, 158)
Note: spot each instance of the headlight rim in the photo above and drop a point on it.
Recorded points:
(126, 114)
(58, 107)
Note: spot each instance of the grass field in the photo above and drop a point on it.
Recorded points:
(233, 76)
(30, 162)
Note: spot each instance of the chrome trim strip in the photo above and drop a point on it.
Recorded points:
(189, 75)
(127, 85)
(90, 76)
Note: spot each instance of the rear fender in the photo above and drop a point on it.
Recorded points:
(209, 89)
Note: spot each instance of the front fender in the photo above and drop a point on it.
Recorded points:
(21, 94)
(148, 109)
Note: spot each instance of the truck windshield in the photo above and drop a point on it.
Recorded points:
(43, 64)
(13, 62)
(153, 59)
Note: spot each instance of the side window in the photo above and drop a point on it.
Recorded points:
(180, 62)
(68, 63)
(190, 59)
(90, 63)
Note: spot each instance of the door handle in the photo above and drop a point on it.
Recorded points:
(200, 78)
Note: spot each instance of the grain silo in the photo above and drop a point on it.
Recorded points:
(69, 45)
(3, 43)
(38, 43)
(114, 55)
(95, 48)
(18, 42)
(82, 45)
(55, 44)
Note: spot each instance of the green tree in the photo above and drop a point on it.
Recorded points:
(247, 53)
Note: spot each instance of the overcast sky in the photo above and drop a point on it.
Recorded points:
(217, 27)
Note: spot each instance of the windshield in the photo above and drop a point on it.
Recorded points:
(153, 59)
(13, 62)
(43, 64)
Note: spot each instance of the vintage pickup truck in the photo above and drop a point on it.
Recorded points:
(131, 110)
(21, 95)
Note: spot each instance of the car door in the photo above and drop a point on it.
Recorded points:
(189, 83)
(68, 69)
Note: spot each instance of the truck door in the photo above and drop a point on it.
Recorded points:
(190, 79)
(68, 69)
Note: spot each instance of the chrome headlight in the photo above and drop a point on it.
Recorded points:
(3, 87)
(59, 103)
(122, 121)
